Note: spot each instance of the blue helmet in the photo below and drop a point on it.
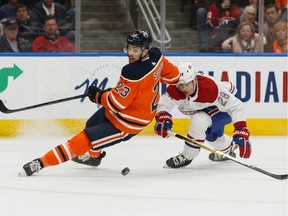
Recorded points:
(140, 38)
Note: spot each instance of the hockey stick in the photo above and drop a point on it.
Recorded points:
(4, 109)
(279, 177)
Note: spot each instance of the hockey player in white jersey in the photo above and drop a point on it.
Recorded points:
(211, 105)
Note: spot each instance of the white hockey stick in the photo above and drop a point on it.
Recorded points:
(279, 177)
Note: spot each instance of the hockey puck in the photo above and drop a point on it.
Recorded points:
(125, 171)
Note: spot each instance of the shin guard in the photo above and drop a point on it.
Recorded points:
(76, 146)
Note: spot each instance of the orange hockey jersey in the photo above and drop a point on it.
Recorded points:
(132, 104)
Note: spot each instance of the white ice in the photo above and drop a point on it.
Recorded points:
(204, 188)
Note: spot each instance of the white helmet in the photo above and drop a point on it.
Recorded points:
(187, 72)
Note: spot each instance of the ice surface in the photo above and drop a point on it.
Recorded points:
(204, 188)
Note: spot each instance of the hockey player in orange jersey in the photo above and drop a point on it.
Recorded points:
(126, 109)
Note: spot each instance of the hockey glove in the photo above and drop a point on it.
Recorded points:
(241, 138)
(95, 94)
(163, 124)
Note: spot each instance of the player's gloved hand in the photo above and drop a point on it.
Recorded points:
(241, 138)
(163, 124)
(95, 94)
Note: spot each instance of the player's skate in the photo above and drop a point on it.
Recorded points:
(87, 160)
(177, 161)
(215, 157)
(32, 167)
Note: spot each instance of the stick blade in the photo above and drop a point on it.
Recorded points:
(283, 177)
(3, 108)
(276, 176)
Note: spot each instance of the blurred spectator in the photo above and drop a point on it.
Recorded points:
(25, 29)
(280, 43)
(2, 2)
(32, 3)
(245, 40)
(8, 10)
(284, 16)
(284, 8)
(272, 16)
(202, 26)
(10, 42)
(193, 7)
(29, 3)
(51, 41)
(241, 3)
(66, 3)
(255, 3)
(268, 2)
(223, 19)
(204, 30)
(250, 15)
(281, 4)
(64, 17)
(201, 13)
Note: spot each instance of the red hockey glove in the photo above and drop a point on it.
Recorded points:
(163, 124)
(95, 94)
(175, 93)
(241, 138)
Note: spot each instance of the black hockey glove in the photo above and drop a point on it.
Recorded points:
(95, 94)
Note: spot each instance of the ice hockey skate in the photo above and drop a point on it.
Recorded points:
(87, 160)
(177, 162)
(32, 167)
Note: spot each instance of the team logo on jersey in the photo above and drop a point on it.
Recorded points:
(186, 112)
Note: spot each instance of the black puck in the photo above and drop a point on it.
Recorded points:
(125, 171)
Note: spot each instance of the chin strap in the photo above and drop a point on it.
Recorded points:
(145, 56)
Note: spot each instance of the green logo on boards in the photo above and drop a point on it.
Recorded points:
(8, 72)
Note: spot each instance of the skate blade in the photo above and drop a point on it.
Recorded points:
(22, 173)
(166, 166)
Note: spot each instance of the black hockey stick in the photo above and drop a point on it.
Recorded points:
(279, 177)
(4, 109)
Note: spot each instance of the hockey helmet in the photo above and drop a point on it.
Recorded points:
(187, 72)
(140, 38)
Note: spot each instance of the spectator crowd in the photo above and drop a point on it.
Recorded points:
(222, 25)
(37, 26)
(233, 25)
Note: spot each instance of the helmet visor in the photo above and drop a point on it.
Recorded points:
(133, 50)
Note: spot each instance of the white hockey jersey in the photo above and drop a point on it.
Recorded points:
(208, 93)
